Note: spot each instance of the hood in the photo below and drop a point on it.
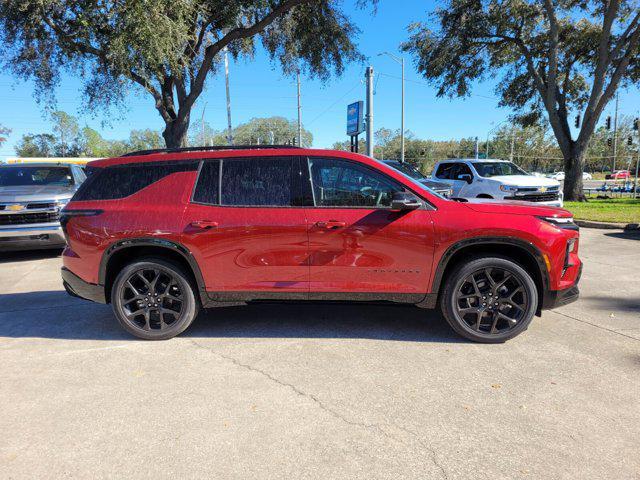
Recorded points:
(434, 185)
(515, 207)
(35, 193)
(525, 181)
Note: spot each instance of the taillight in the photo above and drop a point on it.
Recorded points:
(66, 215)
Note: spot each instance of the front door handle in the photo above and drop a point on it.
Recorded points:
(330, 224)
(204, 224)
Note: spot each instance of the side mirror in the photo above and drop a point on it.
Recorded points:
(466, 177)
(404, 201)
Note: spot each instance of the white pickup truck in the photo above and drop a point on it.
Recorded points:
(497, 179)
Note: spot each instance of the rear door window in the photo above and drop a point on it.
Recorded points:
(250, 182)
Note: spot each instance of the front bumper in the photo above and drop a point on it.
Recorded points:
(39, 235)
(77, 287)
(558, 298)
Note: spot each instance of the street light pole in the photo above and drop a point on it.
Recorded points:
(402, 120)
(226, 75)
(399, 60)
(299, 111)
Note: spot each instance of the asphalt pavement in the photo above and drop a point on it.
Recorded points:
(321, 391)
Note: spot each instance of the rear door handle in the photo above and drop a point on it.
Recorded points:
(330, 224)
(204, 224)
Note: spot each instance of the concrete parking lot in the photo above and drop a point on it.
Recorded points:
(321, 391)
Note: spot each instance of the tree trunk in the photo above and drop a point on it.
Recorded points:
(573, 168)
(175, 132)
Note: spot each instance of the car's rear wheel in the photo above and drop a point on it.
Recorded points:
(153, 299)
(489, 299)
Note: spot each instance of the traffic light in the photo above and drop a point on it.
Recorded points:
(636, 121)
(608, 122)
(577, 121)
(609, 142)
(630, 141)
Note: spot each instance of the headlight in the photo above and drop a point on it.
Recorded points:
(508, 188)
(561, 222)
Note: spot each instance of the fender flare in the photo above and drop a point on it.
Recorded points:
(512, 241)
(169, 245)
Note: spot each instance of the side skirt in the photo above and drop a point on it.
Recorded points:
(223, 299)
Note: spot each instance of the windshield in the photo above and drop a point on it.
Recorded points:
(25, 176)
(407, 169)
(494, 169)
(414, 182)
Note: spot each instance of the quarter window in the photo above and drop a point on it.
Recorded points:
(340, 183)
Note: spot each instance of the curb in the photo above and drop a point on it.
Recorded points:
(607, 225)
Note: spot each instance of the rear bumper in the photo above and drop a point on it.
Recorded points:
(42, 235)
(76, 287)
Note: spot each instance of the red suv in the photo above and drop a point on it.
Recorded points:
(161, 234)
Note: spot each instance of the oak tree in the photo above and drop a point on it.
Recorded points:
(553, 58)
(167, 48)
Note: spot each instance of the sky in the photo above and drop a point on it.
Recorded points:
(258, 89)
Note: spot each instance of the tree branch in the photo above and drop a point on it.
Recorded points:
(237, 33)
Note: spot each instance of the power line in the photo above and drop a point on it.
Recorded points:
(334, 104)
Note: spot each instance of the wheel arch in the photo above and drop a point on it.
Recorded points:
(123, 252)
(524, 253)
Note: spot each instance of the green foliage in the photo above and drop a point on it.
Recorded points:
(167, 48)
(36, 145)
(546, 59)
(269, 130)
(68, 140)
(4, 133)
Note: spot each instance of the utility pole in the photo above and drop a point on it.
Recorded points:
(513, 141)
(299, 111)
(369, 114)
(476, 149)
(615, 135)
(204, 138)
(226, 76)
(399, 60)
(402, 120)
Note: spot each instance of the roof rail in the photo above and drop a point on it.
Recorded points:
(205, 149)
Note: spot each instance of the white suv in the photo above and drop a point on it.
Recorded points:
(497, 179)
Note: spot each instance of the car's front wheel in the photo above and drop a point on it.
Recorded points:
(153, 299)
(489, 299)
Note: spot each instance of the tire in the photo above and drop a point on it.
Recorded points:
(489, 299)
(154, 299)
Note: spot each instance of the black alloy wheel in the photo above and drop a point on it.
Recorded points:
(153, 299)
(489, 299)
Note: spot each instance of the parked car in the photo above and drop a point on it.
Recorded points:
(560, 176)
(31, 197)
(618, 175)
(160, 234)
(440, 188)
(496, 179)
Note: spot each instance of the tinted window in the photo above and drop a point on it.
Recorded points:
(208, 183)
(29, 175)
(445, 171)
(340, 183)
(260, 181)
(123, 180)
(492, 169)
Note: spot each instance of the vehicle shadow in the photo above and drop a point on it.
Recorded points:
(26, 255)
(626, 234)
(56, 315)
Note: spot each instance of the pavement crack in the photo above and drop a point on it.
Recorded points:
(334, 413)
(596, 325)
